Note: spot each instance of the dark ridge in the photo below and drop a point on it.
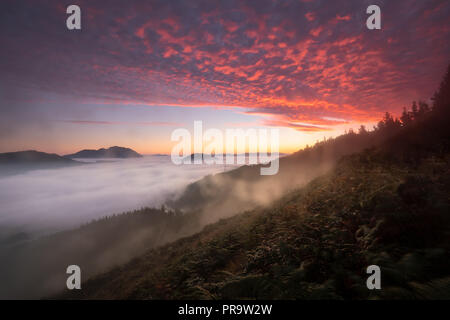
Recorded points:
(32, 157)
(12, 163)
(112, 152)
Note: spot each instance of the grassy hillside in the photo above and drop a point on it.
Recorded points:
(314, 243)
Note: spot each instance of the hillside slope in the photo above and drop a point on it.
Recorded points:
(313, 243)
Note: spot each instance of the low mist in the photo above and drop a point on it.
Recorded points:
(56, 199)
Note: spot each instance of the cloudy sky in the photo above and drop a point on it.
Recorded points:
(140, 69)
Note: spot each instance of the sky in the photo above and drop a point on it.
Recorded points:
(137, 70)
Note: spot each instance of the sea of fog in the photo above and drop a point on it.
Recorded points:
(43, 201)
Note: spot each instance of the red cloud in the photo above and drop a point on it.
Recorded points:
(296, 62)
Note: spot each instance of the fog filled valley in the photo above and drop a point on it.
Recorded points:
(366, 197)
(38, 203)
(48, 200)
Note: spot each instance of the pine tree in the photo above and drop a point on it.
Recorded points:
(441, 99)
(406, 117)
(362, 130)
(423, 109)
(414, 110)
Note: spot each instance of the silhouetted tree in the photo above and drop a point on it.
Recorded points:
(414, 110)
(423, 109)
(362, 130)
(406, 118)
(441, 99)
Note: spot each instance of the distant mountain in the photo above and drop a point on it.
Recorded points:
(31, 157)
(201, 156)
(113, 152)
(235, 156)
(17, 162)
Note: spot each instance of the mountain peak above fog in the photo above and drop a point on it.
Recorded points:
(12, 163)
(31, 157)
(112, 152)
